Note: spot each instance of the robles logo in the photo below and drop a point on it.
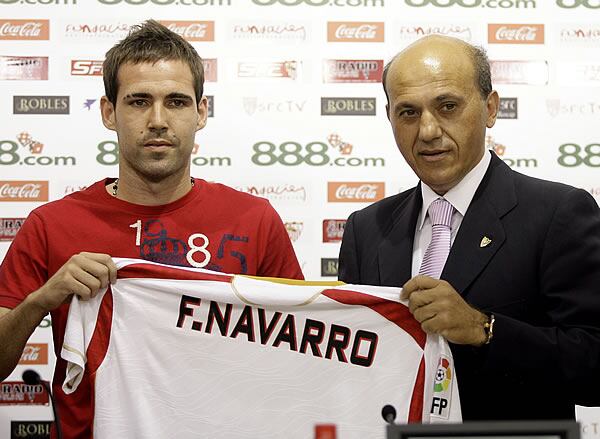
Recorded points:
(24, 29)
(355, 192)
(516, 33)
(192, 30)
(357, 32)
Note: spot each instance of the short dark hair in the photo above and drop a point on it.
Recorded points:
(481, 69)
(150, 42)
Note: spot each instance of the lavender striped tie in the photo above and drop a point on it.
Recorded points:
(440, 212)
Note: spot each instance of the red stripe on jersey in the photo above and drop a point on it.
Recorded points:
(77, 409)
(96, 351)
(415, 412)
(145, 271)
(393, 311)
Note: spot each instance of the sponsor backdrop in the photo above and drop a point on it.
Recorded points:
(297, 114)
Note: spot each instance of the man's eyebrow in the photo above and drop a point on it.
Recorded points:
(137, 96)
(445, 96)
(179, 96)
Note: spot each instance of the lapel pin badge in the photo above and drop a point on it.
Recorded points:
(485, 241)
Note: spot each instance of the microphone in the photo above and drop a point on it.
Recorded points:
(388, 412)
(32, 378)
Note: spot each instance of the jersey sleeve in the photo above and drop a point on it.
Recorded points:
(25, 267)
(278, 258)
(81, 326)
(441, 399)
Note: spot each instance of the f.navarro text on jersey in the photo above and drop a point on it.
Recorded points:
(358, 348)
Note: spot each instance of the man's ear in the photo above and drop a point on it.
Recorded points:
(492, 104)
(108, 113)
(202, 113)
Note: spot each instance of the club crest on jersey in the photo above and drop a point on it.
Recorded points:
(442, 389)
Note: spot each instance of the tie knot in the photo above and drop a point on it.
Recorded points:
(440, 212)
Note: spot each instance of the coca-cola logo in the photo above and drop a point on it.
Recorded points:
(24, 29)
(355, 192)
(357, 32)
(516, 34)
(192, 30)
(23, 191)
(34, 353)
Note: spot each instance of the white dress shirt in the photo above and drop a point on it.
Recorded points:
(460, 196)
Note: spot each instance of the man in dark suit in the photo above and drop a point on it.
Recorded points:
(518, 297)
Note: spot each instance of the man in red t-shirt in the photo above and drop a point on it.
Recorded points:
(155, 211)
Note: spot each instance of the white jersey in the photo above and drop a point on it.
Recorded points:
(186, 353)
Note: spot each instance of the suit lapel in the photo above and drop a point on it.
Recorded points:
(395, 251)
(481, 232)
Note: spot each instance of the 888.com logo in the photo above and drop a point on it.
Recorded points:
(504, 4)
(570, 4)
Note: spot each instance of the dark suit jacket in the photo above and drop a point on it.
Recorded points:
(540, 276)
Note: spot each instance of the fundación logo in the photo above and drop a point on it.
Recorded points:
(269, 31)
(24, 29)
(355, 32)
(338, 106)
(516, 33)
(412, 32)
(508, 108)
(41, 104)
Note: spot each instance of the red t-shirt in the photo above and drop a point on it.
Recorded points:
(213, 227)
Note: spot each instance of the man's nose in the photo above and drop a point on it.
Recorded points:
(157, 119)
(429, 128)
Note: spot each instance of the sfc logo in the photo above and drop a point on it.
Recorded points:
(442, 389)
